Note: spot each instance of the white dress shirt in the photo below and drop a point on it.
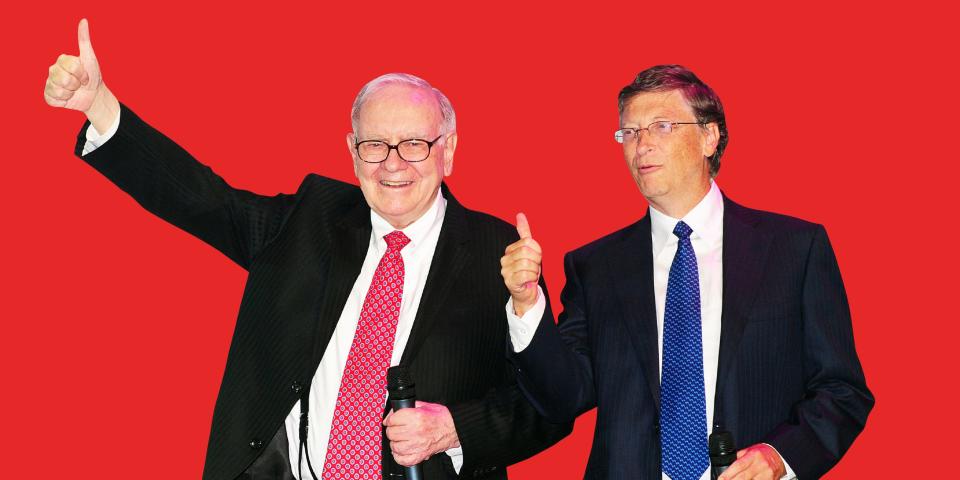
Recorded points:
(706, 221)
(417, 257)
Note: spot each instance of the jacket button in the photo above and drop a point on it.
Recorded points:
(656, 429)
(256, 444)
(296, 387)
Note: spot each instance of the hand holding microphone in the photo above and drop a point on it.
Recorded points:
(416, 430)
(722, 453)
(760, 461)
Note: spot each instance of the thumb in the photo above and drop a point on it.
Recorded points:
(523, 228)
(87, 57)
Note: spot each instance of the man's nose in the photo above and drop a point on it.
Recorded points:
(644, 141)
(393, 162)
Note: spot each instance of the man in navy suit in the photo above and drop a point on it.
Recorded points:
(702, 316)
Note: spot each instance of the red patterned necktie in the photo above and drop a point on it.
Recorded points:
(354, 451)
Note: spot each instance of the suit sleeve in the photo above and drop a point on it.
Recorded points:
(834, 410)
(503, 428)
(167, 181)
(555, 370)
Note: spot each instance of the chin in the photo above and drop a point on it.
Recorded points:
(653, 193)
(389, 213)
(648, 190)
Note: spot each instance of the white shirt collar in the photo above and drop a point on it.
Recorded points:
(416, 231)
(706, 220)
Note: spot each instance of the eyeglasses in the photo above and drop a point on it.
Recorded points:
(413, 150)
(657, 130)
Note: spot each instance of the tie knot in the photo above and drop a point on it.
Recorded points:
(396, 240)
(682, 230)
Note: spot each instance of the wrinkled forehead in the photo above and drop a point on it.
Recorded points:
(400, 110)
(647, 107)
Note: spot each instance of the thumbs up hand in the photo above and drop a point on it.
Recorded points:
(520, 267)
(75, 83)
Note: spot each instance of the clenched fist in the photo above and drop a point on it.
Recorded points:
(75, 83)
(416, 434)
(520, 267)
(756, 462)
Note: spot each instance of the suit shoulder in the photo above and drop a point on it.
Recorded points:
(605, 243)
(328, 185)
(321, 200)
(485, 223)
(774, 222)
(332, 193)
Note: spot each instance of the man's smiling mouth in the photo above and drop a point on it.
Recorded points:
(396, 184)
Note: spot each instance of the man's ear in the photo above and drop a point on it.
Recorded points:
(711, 139)
(352, 148)
(449, 147)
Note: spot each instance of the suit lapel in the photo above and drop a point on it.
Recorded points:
(631, 268)
(449, 260)
(351, 238)
(745, 250)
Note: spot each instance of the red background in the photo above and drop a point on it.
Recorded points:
(116, 325)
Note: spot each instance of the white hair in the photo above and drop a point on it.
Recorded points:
(448, 121)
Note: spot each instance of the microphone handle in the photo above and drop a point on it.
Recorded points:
(414, 472)
(715, 471)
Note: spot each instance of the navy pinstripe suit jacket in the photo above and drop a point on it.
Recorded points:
(788, 371)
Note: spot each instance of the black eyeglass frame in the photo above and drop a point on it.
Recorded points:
(397, 148)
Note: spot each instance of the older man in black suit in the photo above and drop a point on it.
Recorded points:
(343, 283)
(704, 315)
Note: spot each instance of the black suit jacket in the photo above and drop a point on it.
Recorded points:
(303, 253)
(788, 372)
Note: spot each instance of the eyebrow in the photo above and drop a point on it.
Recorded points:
(383, 138)
(677, 117)
(657, 118)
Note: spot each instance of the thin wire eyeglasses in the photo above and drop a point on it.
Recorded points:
(658, 129)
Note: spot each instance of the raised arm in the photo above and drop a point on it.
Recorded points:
(554, 361)
(159, 174)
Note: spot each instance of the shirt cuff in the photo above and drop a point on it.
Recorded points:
(456, 456)
(523, 328)
(790, 475)
(95, 139)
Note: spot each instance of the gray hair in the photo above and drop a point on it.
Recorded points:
(448, 121)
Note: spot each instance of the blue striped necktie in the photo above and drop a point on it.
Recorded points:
(683, 411)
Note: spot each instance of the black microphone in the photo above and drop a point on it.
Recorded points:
(403, 395)
(722, 452)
